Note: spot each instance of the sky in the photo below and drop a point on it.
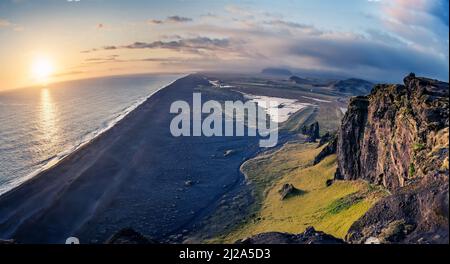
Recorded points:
(379, 40)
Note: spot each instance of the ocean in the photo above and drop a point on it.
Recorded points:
(39, 126)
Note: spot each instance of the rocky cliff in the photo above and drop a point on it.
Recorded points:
(312, 132)
(398, 137)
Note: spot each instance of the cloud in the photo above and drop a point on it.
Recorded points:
(170, 19)
(100, 59)
(356, 53)
(109, 47)
(191, 45)
(4, 23)
(88, 51)
(240, 11)
(284, 23)
(68, 73)
(155, 21)
(420, 11)
(422, 23)
(440, 11)
(256, 41)
(178, 19)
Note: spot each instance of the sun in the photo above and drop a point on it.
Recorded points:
(42, 69)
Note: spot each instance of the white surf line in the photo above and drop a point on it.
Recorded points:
(216, 83)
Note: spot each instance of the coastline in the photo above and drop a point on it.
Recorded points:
(59, 157)
(132, 175)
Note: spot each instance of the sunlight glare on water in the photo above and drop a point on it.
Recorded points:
(47, 114)
(42, 125)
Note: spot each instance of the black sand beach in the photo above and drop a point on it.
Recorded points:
(134, 175)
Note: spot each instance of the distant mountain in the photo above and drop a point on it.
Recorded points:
(276, 71)
(353, 86)
(299, 80)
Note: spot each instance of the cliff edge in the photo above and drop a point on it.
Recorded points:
(398, 137)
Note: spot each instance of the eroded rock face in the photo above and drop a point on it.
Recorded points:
(312, 131)
(288, 190)
(415, 214)
(327, 137)
(329, 149)
(398, 137)
(395, 135)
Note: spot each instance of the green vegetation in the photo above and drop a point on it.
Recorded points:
(343, 203)
(306, 116)
(264, 170)
(412, 170)
(332, 209)
(418, 146)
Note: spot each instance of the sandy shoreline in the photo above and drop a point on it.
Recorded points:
(133, 175)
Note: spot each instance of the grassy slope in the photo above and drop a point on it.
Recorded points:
(330, 209)
(328, 115)
(303, 117)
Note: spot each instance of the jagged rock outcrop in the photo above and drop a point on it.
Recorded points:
(310, 236)
(288, 190)
(398, 137)
(329, 149)
(312, 132)
(327, 137)
(396, 134)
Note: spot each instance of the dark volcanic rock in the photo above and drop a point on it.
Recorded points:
(416, 214)
(310, 236)
(398, 137)
(350, 136)
(329, 182)
(129, 236)
(327, 137)
(329, 149)
(396, 134)
(311, 131)
(288, 190)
